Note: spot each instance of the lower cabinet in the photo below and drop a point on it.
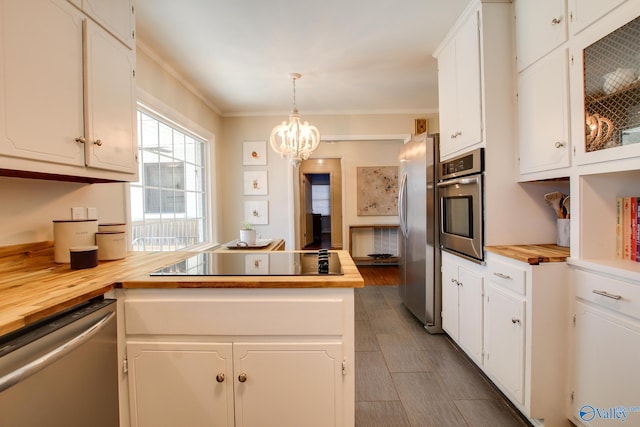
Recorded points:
(240, 357)
(504, 339)
(462, 290)
(513, 321)
(239, 383)
(606, 350)
(526, 333)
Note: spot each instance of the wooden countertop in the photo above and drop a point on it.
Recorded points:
(33, 287)
(532, 254)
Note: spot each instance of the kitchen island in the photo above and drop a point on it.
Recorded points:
(215, 350)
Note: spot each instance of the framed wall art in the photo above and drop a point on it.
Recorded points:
(254, 153)
(255, 183)
(377, 190)
(256, 212)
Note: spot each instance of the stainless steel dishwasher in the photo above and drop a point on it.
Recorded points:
(63, 371)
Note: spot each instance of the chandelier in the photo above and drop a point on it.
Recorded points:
(294, 140)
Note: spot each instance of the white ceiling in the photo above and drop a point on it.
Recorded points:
(355, 56)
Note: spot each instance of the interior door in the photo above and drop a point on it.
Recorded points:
(307, 217)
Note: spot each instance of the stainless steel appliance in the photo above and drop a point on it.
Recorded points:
(461, 205)
(62, 372)
(420, 282)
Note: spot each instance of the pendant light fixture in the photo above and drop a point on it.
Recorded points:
(294, 140)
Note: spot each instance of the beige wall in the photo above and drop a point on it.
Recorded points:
(281, 176)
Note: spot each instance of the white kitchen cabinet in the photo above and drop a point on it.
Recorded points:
(582, 13)
(606, 349)
(196, 386)
(541, 26)
(255, 384)
(459, 89)
(64, 80)
(504, 331)
(288, 384)
(286, 356)
(110, 103)
(116, 16)
(543, 118)
(41, 82)
(526, 329)
(462, 305)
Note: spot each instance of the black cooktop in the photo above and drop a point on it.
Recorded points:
(254, 264)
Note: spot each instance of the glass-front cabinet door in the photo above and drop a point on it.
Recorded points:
(611, 80)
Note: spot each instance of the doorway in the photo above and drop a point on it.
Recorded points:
(320, 204)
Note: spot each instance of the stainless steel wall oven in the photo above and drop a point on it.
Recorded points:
(460, 194)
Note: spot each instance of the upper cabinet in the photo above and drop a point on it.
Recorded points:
(116, 16)
(541, 26)
(459, 88)
(68, 95)
(543, 116)
(585, 12)
(608, 109)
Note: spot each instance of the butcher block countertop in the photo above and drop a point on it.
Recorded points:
(532, 254)
(33, 287)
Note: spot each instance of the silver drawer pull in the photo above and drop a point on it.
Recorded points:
(502, 276)
(607, 294)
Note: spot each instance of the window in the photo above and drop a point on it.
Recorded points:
(168, 203)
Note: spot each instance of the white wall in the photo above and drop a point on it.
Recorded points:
(29, 206)
(281, 176)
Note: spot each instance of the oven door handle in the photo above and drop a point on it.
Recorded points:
(25, 371)
(458, 181)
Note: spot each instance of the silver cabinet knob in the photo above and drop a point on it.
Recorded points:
(220, 378)
(242, 377)
(81, 139)
(556, 21)
(559, 144)
(515, 321)
(98, 142)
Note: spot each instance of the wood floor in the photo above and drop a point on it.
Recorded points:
(406, 377)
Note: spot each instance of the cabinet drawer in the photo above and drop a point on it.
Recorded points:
(613, 294)
(235, 316)
(509, 276)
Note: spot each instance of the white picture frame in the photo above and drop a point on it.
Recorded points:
(255, 183)
(256, 212)
(254, 153)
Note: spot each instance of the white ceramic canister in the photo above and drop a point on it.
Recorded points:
(103, 228)
(68, 233)
(111, 245)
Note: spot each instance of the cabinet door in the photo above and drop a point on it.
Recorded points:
(447, 99)
(470, 304)
(117, 16)
(607, 351)
(177, 384)
(41, 81)
(450, 300)
(543, 114)
(110, 119)
(288, 384)
(505, 340)
(585, 12)
(540, 27)
(469, 115)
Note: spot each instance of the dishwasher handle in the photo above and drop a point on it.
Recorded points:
(59, 352)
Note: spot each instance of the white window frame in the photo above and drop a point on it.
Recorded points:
(151, 105)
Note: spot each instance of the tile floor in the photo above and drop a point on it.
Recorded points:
(406, 377)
